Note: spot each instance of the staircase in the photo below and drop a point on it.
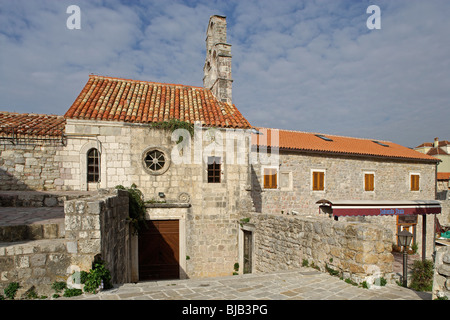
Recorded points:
(32, 240)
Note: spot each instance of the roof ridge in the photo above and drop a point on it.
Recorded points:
(145, 81)
(31, 114)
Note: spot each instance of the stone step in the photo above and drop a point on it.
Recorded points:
(39, 198)
(15, 233)
(20, 223)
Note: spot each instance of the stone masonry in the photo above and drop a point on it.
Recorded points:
(98, 227)
(358, 251)
(441, 281)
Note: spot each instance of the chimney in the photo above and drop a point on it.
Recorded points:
(217, 69)
(436, 142)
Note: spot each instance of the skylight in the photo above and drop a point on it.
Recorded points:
(323, 137)
(381, 144)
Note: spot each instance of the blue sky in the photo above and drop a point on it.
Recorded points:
(301, 65)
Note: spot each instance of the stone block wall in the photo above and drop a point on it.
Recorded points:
(36, 263)
(344, 180)
(441, 281)
(31, 167)
(98, 226)
(356, 250)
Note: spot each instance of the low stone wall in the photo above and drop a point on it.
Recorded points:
(98, 226)
(356, 250)
(441, 281)
(35, 264)
(31, 167)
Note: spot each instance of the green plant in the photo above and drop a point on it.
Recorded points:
(331, 271)
(422, 275)
(350, 281)
(32, 294)
(11, 290)
(381, 281)
(305, 263)
(414, 247)
(59, 286)
(98, 276)
(244, 221)
(72, 292)
(236, 269)
(365, 285)
(136, 206)
(173, 125)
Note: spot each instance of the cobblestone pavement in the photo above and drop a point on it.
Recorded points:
(300, 284)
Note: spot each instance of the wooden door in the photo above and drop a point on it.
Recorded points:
(248, 243)
(159, 250)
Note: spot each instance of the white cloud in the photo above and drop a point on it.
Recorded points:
(303, 65)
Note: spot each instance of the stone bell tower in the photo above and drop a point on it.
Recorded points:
(217, 69)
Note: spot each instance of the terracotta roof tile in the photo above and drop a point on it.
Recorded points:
(306, 141)
(114, 99)
(28, 124)
(436, 151)
(443, 175)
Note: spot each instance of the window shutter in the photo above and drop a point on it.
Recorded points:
(318, 180)
(321, 180)
(369, 182)
(415, 182)
(270, 178)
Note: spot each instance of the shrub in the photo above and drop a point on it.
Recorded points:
(422, 275)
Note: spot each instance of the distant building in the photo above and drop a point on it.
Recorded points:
(441, 151)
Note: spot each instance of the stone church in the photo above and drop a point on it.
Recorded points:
(209, 182)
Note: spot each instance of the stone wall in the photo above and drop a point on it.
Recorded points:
(98, 227)
(356, 250)
(441, 281)
(35, 264)
(31, 167)
(344, 180)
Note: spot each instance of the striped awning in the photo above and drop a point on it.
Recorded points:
(380, 207)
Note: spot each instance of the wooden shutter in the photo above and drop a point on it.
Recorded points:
(415, 182)
(270, 178)
(318, 180)
(369, 182)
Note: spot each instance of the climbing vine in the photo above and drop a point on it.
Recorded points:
(136, 206)
(174, 124)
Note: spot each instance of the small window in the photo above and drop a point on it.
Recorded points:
(214, 170)
(270, 178)
(318, 180)
(415, 182)
(369, 182)
(321, 136)
(155, 160)
(93, 165)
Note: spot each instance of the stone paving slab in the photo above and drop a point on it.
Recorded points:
(10, 216)
(299, 284)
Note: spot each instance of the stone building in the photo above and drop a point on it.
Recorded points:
(316, 169)
(213, 181)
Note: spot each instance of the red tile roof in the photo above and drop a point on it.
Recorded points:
(306, 141)
(114, 99)
(443, 175)
(436, 151)
(27, 124)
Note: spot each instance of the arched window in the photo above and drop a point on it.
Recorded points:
(93, 165)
